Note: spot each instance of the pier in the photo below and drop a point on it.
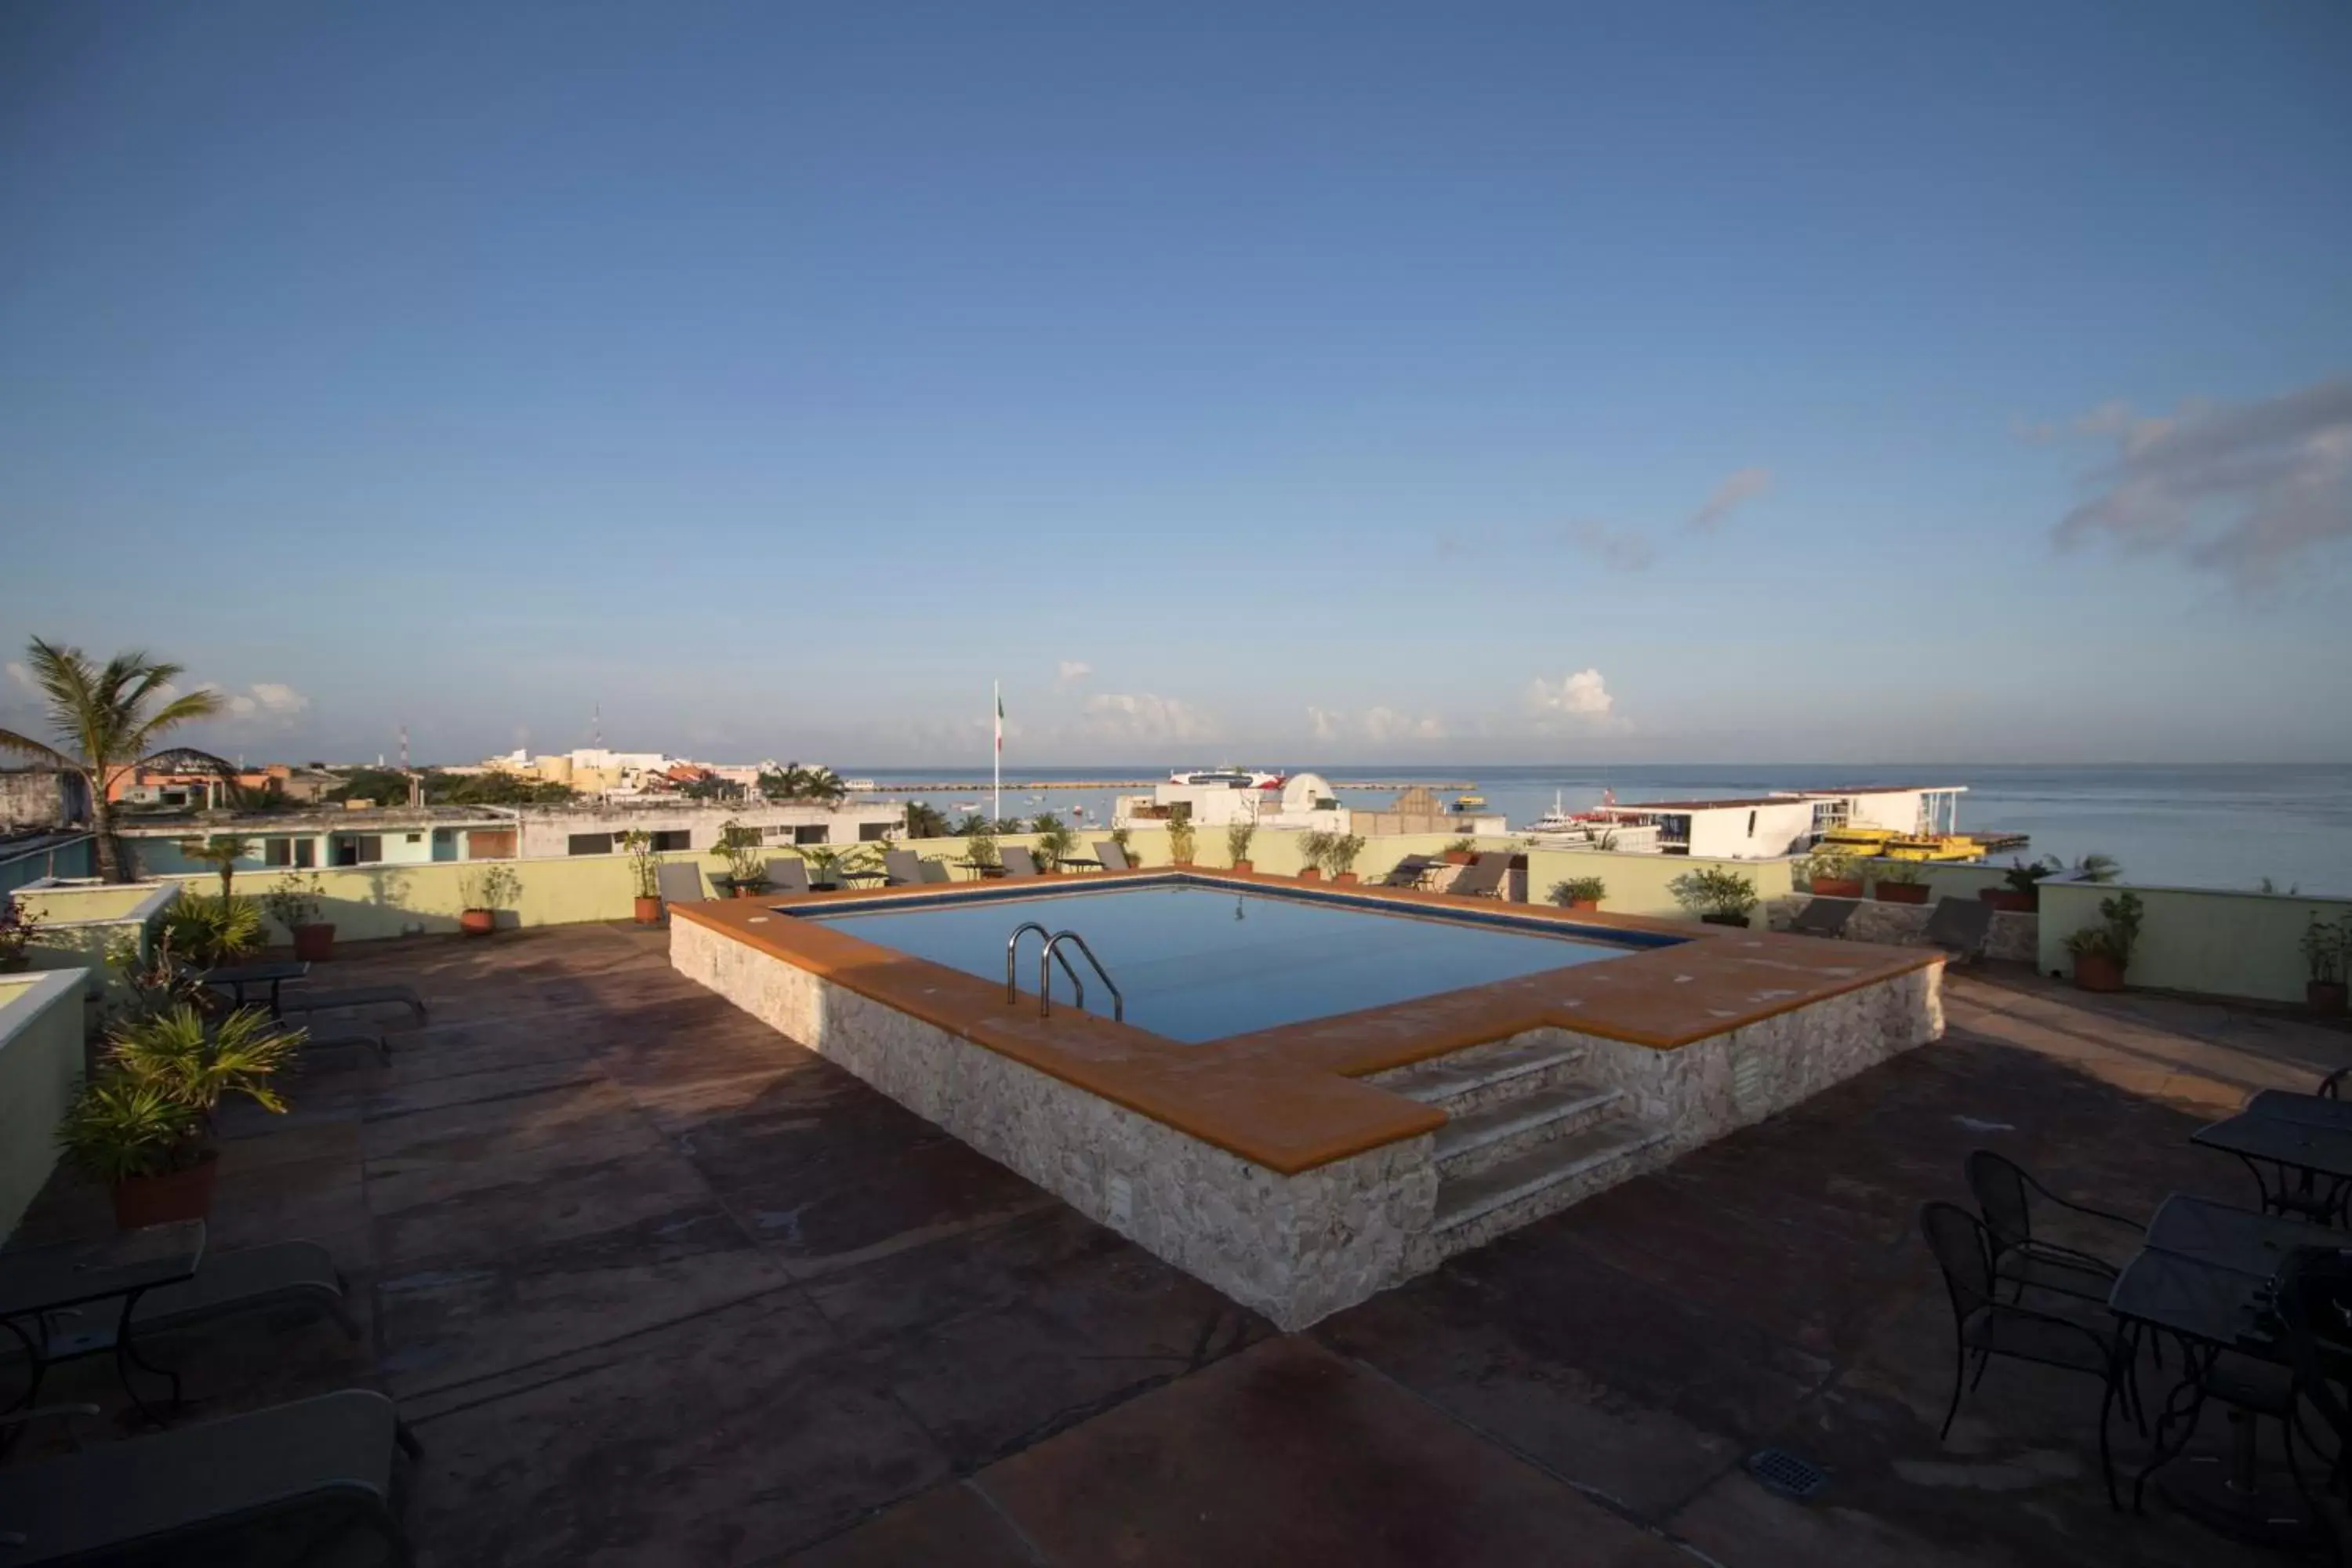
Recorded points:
(927, 786)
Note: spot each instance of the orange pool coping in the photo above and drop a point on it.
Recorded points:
(1289, 1097)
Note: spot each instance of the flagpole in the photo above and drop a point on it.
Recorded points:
(996, 691)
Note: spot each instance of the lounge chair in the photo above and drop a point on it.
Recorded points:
(933, 871)
(1017, 861)
(788, 875)
(1960, 927)
(679, 882)
(903, 867)
(1112, 857)
(373, 1039)
(1409, 872)
(1824, 917)
(1483, 877)
(205, 1492)
(391, 994)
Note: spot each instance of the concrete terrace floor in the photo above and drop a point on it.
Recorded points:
(656, 1286)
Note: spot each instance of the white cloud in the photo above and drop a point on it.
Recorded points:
(2244, 490)
(22, 675)
(1141, 716)
(1073, 670)
(1388, 724)
(1735, 491)
(1325, 722)
(1578, 701)
(263, 702)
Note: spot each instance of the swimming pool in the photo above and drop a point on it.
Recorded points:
(1198, 962)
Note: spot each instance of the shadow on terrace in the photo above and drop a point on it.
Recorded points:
(651, 1284)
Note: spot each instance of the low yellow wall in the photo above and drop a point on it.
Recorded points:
(2196, 939)
(40, 1060)
(1638, 883)
(88, 900)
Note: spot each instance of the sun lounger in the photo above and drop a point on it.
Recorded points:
(1824, 917)
(1483, 877)
(393, 995)
(788, 875)
(215, 1491)
(1017, 861)
(1112, 857)
(1409, 872)
(905, 868)
(373, 1039)
(1960, 927)
(679, 882)
(933, 871)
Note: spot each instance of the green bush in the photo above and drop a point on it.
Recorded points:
(209, 930)
(1714, 891)
(1578, 890)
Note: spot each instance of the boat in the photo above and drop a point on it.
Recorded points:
(963, 806)
(1231, 777)
(1938, 846)
(1469, 803)
(1558, 819)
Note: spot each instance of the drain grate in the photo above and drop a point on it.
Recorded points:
(1781, 1471)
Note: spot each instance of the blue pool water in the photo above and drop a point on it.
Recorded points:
(1199, 964)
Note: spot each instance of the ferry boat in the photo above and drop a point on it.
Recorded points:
(1469, 803)
(1558, 819)
(1232, 778)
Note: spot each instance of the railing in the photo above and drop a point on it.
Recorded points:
(1012, 949)
(1045, 974)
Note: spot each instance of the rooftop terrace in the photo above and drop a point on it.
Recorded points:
(656, 1286)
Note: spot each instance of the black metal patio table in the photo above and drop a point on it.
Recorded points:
(2208, 1309)
(1080, 861)
(273, 973)
(2311, 1109)
(51, 1282)
(868, 875)
(2271, 1146)
(2222, 1235)
(980, 869)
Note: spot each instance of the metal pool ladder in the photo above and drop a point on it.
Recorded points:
(1046, 957)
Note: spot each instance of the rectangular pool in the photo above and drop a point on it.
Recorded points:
(1198, 962)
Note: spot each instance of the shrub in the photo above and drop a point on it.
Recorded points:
(296, 901)
(492, 888)
(1898, 873)
(18, 926)
(1055, 840)
(2097, 868)
(1124, 838)
(2326, 947)
(149, 1109)
(737, 845)
(638, 845)
(1339, 855)
(209, 929)
(1314, 848)
(1826, 865)
(2025, 876)
(1578, 890)
(2115, 937)
(1180, 839)
(1714, 891)
(979, 848)
(1238, 834)
(1465, 844)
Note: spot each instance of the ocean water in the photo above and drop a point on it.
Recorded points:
(2219, 826)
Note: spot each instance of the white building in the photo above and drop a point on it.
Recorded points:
(1922, 809)
(1219, 797)
(1760, 827)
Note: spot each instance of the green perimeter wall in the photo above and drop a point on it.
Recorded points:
(2193, 939)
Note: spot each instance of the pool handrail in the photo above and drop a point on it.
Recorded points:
(1054, 949)
(1013, 951)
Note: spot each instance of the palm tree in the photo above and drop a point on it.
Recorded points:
(111, 719)
(222, 851)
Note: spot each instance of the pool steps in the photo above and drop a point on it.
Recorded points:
(1527, 1137)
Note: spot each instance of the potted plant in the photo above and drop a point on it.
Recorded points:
(1124, 838)
(482, 894)
(1238, 834)
(18, 927)
(644, 874)
(1340, 858)
(2097, 868)
(296, 903)
(1462, 851)
(1180, 839)
(979, 848)
(1312, 847)
(1579, 893)
(2326, 947)
(2023, 893)
(209, 930)
(143, 1123)
(746, 866)
(1830, 875)
(2102, 952)
(1719, 897)
(1055, 840)
(1899, 882)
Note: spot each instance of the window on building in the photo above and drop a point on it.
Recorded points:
(870, 832)
(416, 838)
(592, 844)
(1751, 825)
(818, 834)
(277, 852)
(673, 838)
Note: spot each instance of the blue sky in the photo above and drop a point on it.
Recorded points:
(1653, 381)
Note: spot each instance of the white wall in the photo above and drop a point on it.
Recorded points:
(1780, 828)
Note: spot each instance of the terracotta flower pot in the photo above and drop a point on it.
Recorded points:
(2008, 900)
(314, 944)
(2097, 972)
(477, 922)
(1837, 886)
(1343, 878)
(747, 890)
(1460, 857)
(1589, 906)
(648, 910)
(1902, 892)
(1244, 866)
(1310, 873)
(2325, 997)
(160, 1200)
(1740, 920)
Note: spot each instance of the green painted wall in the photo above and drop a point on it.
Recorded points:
(41, 1062)
(2203, 940)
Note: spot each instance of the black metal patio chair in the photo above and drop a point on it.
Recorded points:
(1985, 1326)
(2005, 1196)
(2331, 1087)
(2313, 1293)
